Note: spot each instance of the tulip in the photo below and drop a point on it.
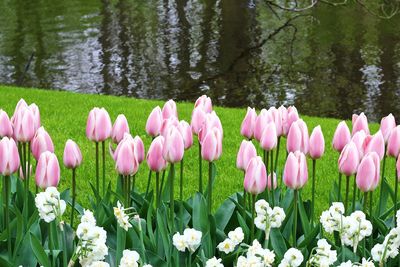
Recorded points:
(367, 178)
(99, 125)
(317, 143)
(126, 161)
(269, 137)
(271, 182)
(168, 123)
(396, 185)
(154, 158)
(292, 116)
(6, 128)
(139, 148)
(47, 170)
(72, 155)
(246, 152)
(211, 148)
(9, 157)
(295, 173)
(247, 127)
(349, 159)
(255, 179)
(119, 128)
(375, 143)
(341, 137)
(36, 115)
(173, 145)
(298, 138)
(284, 116)
(21, 104)
(261, 121)
(359, 140)
(277, 118)
(169, 110)
(24, 125)
(387, 124)
(393, 143)
(41, 142)
(198, 118)
(186, 132)
(212, 120)
(204, 103)
(360, 122)
(22, 173)
(154, 122)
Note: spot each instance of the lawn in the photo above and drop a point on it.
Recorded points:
(64, 116)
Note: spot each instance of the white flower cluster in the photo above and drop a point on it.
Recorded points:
(191, 240)
(389, 248)
(267, 217)
(49, 205)
(214, 262)
(364, 263)
(352, 229)
(122, 217)
(256, 256)
(92, 240)
(99, 264)
(130, 258)
(292, 258)
(235, 237)
(323, 256)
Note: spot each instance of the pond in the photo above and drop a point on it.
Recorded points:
(331, 62)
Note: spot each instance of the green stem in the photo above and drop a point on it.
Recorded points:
(103, 146)
(200, 171)
(171, 197)
(365, 202)
(314, 163)
(26, 198)
(131, 187)
(73, 196)
(396, 185)
(277, 154)
(64, 244)
(272, 179)
(266, 160)
(370, 218)
(295, 219)
(51, 246)
(181, 182)
(157, 190)
(210, 166)
(162, 183)
(97, 173)
(346, 200)
(253, 212)
(354, 193)
(148, 182)
(381, 187)
(340, 187)
(190, 259)
(6, 186)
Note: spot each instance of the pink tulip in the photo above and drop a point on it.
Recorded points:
(246, 152)
(198, 118)
(186, 132)
(298, 138)
(9, 157)
(212, 120)
(317, 143)
(154, 122)
(349, 159)
(98, 126)
(119, 128)
(295, 174)
(174, 146)
(292, 116)
(72, 155)
(375, 143)
(398, 169)
(168, 123)
(247, 127)
(126, 161)
(155, 159)
(359, 139)
(277, 118)
(387, 124)
(393, 144)
(284, 116)
(21, 103)
(269, 138)
(261, 121)
(211, 148)
(6, 128)
(41, 142)
(341, 137)
(269, 181)
(24, 125)
(36, 115)
(360, 122)
(204, 103)
(139, 149)
(367, 178)
(47, 170)
(255, 179)
(169, 110)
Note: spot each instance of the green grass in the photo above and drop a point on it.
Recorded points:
(64, 116)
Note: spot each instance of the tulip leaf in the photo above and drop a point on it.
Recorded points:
(200, 214)
(224, 214)
(308, 239)
(162, 229)
(383, 197)
(39, 252)
(278, 242)
(244, 226)
(303, 217)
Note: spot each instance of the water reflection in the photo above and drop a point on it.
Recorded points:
(332, 63)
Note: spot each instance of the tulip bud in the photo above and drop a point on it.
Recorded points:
(349, 159)
(139, 149)
(47, 170)
(269, 181)
(204, 103)
(24, 125)
(277, 118)
(168, 123)
(119, 128)
(255, 179)
(292, 116)
(387, 124)
(72, 155)
(295, 174)
(98, 127)
(341, 137)
(298, 138)
(269, 138)
(398, 169)
(21, 103)
(36, 115)
(375, 143)
(367, 178)
(41, 142)
(247, 127)
(317, 143)
(155, 159)
(174, 146)
(198, 118)
(246, 152)
(186, 132)
(9, 157)
(211, 148)
(393, 143)
(212, 120)
(359, 139)
(126, 161)
(154, 122)
(360, 122)
(284, 115)
(261, 122)
(6, 128)
(169, 110)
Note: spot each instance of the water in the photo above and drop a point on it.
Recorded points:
(337, 61)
